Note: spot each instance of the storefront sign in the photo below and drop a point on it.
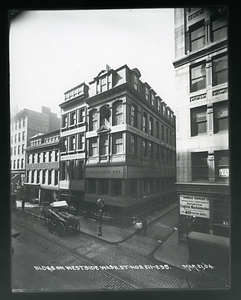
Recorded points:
(104, 172)
(197, 206)
(64, 184)
(223, 172)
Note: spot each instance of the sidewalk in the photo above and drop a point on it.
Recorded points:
(168, 252)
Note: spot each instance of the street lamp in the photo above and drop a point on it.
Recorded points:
(100, 203)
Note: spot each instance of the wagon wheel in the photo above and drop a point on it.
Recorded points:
(50, 226)
(77, 226)
(61, 230)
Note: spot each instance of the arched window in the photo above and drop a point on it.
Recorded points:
(93, 120)
(118, 113)
(133, 116)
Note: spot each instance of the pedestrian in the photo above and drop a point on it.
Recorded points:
(144, 226)
(138, 225)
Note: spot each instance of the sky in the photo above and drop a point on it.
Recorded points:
(51, 52)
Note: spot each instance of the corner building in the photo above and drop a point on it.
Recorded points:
(118, 144)
(201, 64)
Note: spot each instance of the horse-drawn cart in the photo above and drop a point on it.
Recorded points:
(60, 221)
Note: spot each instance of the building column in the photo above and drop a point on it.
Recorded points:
(211, 167)
(210, 119)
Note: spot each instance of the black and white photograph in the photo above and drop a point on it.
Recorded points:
(119, 150)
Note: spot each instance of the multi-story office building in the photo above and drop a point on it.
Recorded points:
(24, 125)
(124, 135)
(201, 64)
(73, 146)
(42, 167)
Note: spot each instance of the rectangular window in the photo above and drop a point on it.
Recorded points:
(28, 176)
(72, 118)
(151, 126)
(72, 143)
(118, 113)
(64, 144)
(38, 175)
(15, 138)
(22, 148)
(117, 186)
(150, 150)
(147, 94)
(218, 27)
(220, 70)
(197, 36)
(93, 120)
(104, 144)
(103, 84)
(50, 177)
(32, 177)
(104, 186)
(14, 164)
(117, 143)
(153, 100)
(144, 125)
(23, 136)
(135, 82)
(81, 115)
(18, 149)
(166, 135)
(144, 148)
(93, 147)
(44, 156)
(220, 116)
(162, 133)
(43, 176)
(50, 156)
(157, 129)
(133, 116)
(38, 157)
(221, 165)
(22, 163)
(64, 121)
(56, 177)
(80, 142)
(197, 77)
(198, 120)
(133, 144)
(200, 166)
(24, 122)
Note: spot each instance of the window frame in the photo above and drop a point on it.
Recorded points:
(215, 74)
(118, 114)
(217, 106)
(93, 151)
(196, 80)
(195, 166)
(195, 123)
(116, 146)
(199, 26)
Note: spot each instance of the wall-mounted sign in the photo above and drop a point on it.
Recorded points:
(198, 97)
(220, 91)
(104, 172)
(223, 172)
(197, 206)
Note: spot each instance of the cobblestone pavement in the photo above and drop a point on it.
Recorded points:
(138, 270)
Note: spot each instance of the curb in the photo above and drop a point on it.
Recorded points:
(99, 238)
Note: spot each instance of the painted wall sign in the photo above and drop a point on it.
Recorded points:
(104, 172)
(197, 206)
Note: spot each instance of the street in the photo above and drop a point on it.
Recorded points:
(43, 261)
